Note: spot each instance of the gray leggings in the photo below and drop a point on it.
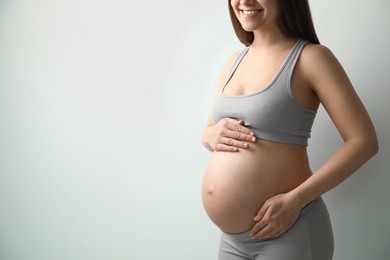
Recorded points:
(310, 238)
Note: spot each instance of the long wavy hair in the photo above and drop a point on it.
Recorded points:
(294, 20)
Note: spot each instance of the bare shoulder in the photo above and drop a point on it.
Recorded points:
(226, 69)
(231, 59)
(316, 54)
(319, 65)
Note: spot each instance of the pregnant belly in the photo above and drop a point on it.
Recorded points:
(236, 185)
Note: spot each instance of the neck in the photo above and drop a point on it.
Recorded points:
(270, 38)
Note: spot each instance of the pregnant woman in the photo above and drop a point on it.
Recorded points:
(258, 187)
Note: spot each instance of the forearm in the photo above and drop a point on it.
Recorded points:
(204, 138)
(347, 159)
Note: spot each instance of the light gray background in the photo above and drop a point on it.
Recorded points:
(101, 107)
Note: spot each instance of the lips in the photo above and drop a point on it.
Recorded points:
(250, 13)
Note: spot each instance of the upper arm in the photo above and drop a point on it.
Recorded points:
(224, 78)
(335, 91)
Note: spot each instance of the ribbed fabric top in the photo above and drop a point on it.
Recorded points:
(273, 113)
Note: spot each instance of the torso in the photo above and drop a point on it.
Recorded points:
(236, 185)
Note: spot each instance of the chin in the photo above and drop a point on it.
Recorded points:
(249, 27)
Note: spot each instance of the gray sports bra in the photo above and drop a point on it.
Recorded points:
(273, 113)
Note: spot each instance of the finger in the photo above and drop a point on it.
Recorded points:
(261, 213)
(233, 142)
(261, 232)
(225, 148)
(237, 125)
(239, 136)
(241, 128)
(257, 227)
(230, 121)
(268, 232)
(261, 219)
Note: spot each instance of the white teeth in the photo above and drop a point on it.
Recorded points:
(250, 11)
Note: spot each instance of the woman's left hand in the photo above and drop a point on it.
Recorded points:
(275, 217)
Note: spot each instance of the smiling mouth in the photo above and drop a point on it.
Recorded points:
(250, 12)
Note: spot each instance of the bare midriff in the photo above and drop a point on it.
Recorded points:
(236, 184)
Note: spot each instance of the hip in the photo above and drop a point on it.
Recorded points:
(311, 237)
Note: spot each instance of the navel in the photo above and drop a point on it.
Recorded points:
(210, 190)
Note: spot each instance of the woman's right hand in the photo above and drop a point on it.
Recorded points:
(229, 134)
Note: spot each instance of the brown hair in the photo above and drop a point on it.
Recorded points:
(294, 20)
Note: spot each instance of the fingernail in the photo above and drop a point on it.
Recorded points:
(251, 133)
(253, 139)
(256, 218)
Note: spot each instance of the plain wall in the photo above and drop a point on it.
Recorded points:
(101, 108)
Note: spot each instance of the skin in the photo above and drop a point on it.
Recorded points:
(318, 79)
